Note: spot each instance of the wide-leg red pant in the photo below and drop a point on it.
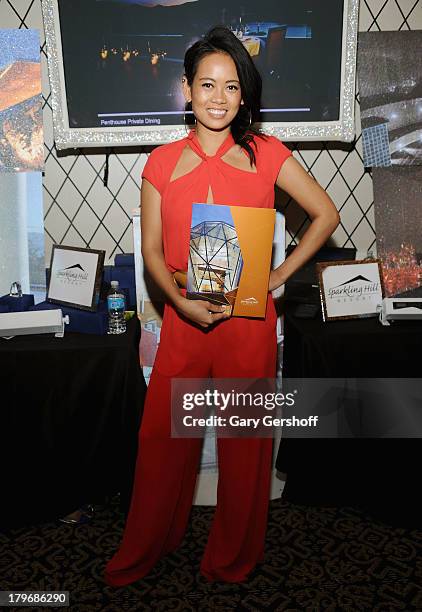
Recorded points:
(166, 468)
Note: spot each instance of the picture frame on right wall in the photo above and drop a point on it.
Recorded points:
(398, 221)
(390, 82)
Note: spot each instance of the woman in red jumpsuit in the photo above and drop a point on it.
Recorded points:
(224, 160)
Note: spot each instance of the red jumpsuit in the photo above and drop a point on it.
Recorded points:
(167, 467)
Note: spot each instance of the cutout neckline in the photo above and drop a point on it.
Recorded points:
(195, 145)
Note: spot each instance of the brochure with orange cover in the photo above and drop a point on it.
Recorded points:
(230, 257)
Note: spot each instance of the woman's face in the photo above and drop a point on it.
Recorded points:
(215, 91)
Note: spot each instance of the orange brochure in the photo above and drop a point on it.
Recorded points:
(230, 257)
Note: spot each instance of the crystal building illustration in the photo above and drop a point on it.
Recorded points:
(215, 258)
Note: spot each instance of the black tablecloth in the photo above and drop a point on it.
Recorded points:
(69, 417)
(378, 475)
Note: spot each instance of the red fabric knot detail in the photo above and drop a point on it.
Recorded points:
(195, 145)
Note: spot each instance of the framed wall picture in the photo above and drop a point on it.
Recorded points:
(350, 289)
(116, 78)
(398, 219)
(21, 103)
(390, 74)
(75, 277)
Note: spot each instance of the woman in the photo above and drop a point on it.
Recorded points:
(224, 161)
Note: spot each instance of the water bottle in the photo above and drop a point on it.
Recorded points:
(116, 309)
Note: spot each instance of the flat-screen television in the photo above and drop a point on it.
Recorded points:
(116, 66)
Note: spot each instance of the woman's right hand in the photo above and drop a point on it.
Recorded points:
(201, 312)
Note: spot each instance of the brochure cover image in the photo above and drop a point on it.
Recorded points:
(230, 257)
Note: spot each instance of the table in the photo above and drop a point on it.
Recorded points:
(380, 476)
(70, 413)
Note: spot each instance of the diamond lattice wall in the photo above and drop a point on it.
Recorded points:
(80, 211)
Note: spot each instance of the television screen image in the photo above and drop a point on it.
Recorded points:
(120, 71)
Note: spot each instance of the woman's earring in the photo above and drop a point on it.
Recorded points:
(250, 117)
(184, 120)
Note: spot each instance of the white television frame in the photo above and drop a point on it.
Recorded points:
(66, 137)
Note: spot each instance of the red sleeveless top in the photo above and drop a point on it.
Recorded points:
(229, 185)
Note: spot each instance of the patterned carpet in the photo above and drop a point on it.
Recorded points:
(316, 559)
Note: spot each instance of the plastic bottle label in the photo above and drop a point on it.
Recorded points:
(116, 303)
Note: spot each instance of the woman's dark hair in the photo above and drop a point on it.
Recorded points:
(221, 40)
